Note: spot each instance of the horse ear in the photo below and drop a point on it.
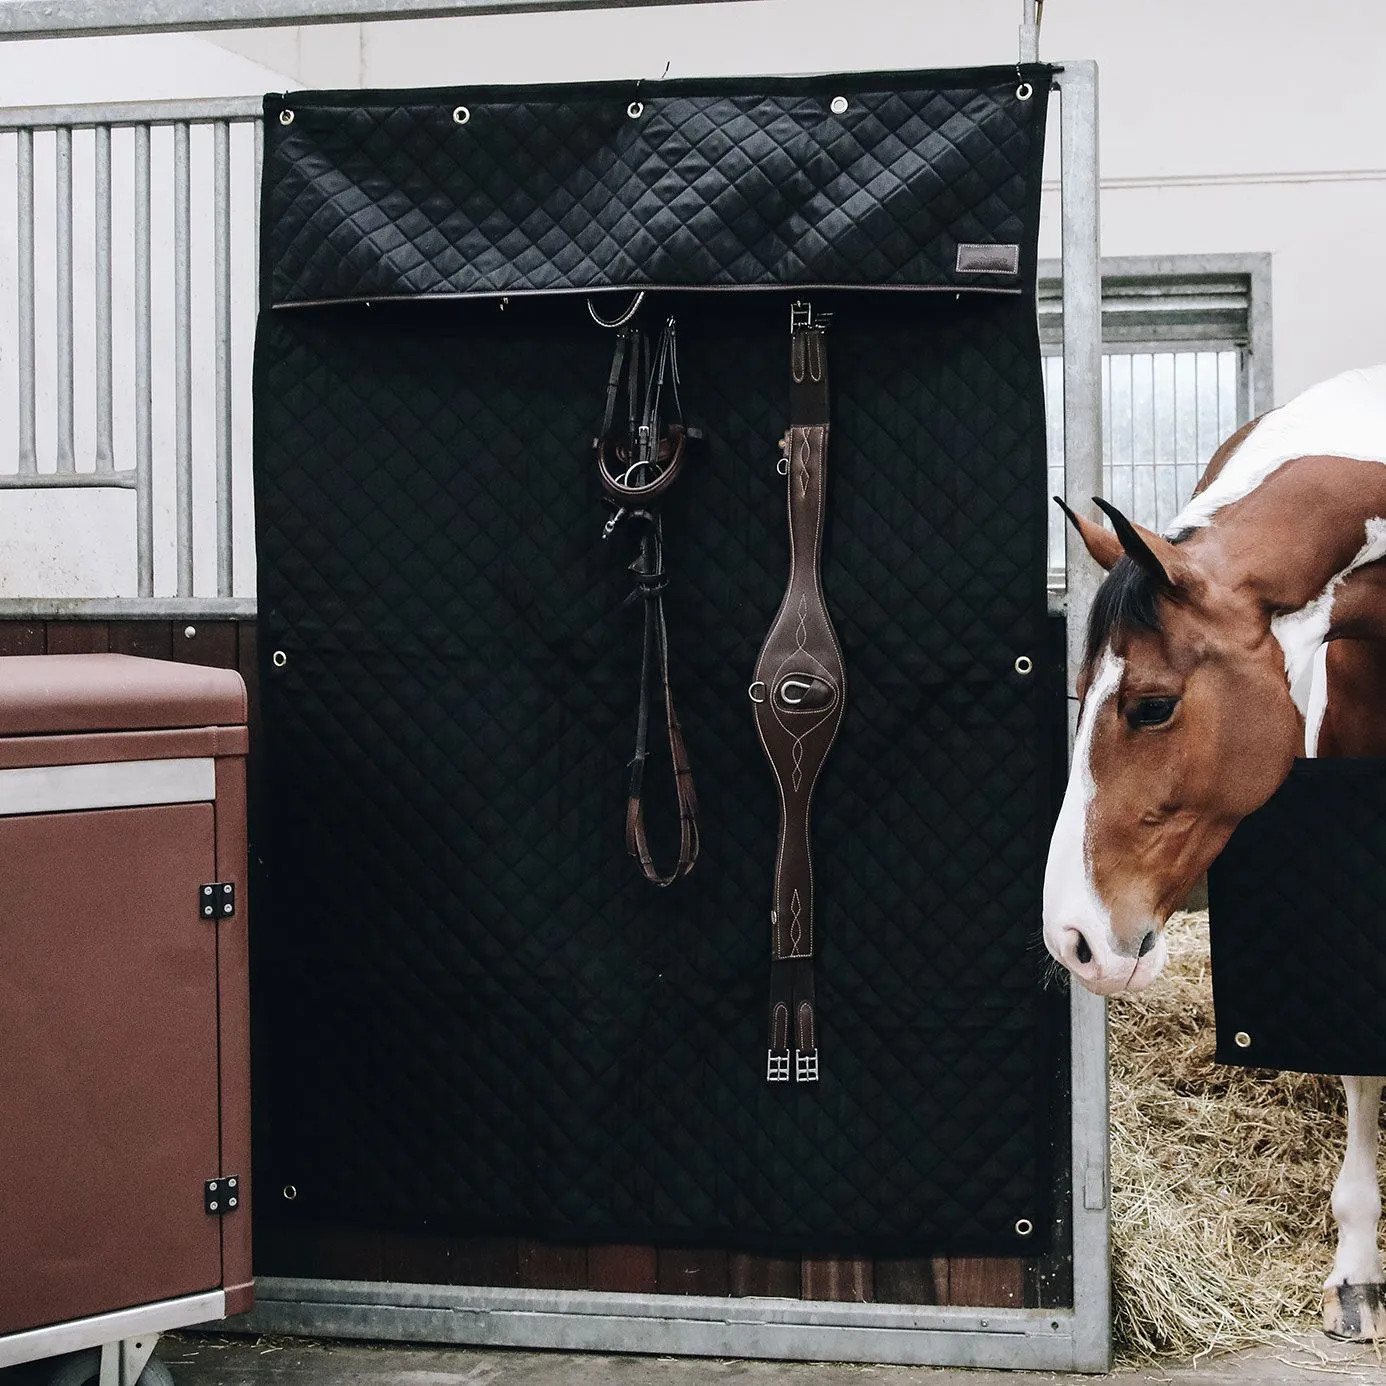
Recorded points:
(1147, 549)
(1101, 543)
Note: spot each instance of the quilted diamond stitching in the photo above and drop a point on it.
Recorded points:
(448, 741)
(718, 184)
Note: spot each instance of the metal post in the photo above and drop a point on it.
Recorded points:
(182, 354)
(144, 375)
(28, 457)
(105, 448)
(1029, 30)
(1082, 403)
(221, 132)
(67, 461)
(20, 19)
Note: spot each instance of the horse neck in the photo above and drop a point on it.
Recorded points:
(1307, 543)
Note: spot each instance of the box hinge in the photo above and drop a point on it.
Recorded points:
(216, 900)
(222, 1196)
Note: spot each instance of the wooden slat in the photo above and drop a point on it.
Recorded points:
(152, 639)
(776, 1276)
(21, 637)
(428, 1258)
(837, 1278)
(692, 1272)
(552, 1265)
(914, 1280)
(994, 1281)
(78, 637)
(632, 1269)
(211, 642)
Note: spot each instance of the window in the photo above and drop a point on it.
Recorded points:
(1185, 362)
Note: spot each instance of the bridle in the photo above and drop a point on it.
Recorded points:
(637, 465)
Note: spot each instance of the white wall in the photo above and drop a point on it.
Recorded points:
(1225, 126)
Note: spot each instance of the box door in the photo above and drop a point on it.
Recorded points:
(108, 1062)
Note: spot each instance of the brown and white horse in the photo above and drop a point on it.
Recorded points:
(1252, 632)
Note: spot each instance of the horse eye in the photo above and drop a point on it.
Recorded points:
(1151, 712)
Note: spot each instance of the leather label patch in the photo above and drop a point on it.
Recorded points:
(988, 259)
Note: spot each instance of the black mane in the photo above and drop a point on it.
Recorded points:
(1124, 602)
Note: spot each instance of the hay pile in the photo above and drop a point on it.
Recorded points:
(1222, 1231)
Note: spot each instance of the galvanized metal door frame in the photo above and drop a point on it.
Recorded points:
(1072, 1339)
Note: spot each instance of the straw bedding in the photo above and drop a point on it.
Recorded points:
(1221, 1177)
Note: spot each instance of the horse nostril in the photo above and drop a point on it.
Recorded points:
(1084, 952)
(1147, 943)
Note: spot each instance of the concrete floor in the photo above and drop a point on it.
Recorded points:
(206, 1361)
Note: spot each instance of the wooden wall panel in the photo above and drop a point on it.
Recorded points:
(692, 1272)
(630, 1269)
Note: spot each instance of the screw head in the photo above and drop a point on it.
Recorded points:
(189, 632)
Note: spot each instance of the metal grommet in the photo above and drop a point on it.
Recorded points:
(635, 110)
(1024, 92)
(460, 115)
(286, 117)
(1242, 1040)
(279, 659)
(1024, 664)
(189, 632)
(751, 691)
(290, 1193)
(838, 105)
(1023, 1227)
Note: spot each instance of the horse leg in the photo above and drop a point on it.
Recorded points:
(1354, 1297)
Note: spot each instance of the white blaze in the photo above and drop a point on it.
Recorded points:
(1070, 898)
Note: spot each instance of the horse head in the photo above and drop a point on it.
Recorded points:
(1186, 725)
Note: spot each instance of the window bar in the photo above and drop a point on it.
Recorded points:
(28, 455)
(66, 459)
(221, 132)
(182, 374)
(144, 446)
(105, 451)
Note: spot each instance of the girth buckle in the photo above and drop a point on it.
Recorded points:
(806, 1065)
(777, 1065)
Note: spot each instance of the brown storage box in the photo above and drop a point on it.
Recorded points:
(124, 1026)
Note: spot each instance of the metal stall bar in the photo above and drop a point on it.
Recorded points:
(1035, 1339)
(105, 447)
(21, 19)
(182, 353)
(67, 461)
(144, 373)
(28, 455)
(1082, 403)
(221, 135)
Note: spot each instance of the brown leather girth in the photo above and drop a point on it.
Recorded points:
(799, 693)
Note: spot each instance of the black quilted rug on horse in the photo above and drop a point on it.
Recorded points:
(473, 1013)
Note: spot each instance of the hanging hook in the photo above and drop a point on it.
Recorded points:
(624, 318)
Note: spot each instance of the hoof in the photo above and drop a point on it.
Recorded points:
(1355, 1313)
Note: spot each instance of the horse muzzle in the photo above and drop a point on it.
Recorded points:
(1100, 963)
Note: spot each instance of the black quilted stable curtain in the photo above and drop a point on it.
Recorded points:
(475, 1015)
(1295, 910)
